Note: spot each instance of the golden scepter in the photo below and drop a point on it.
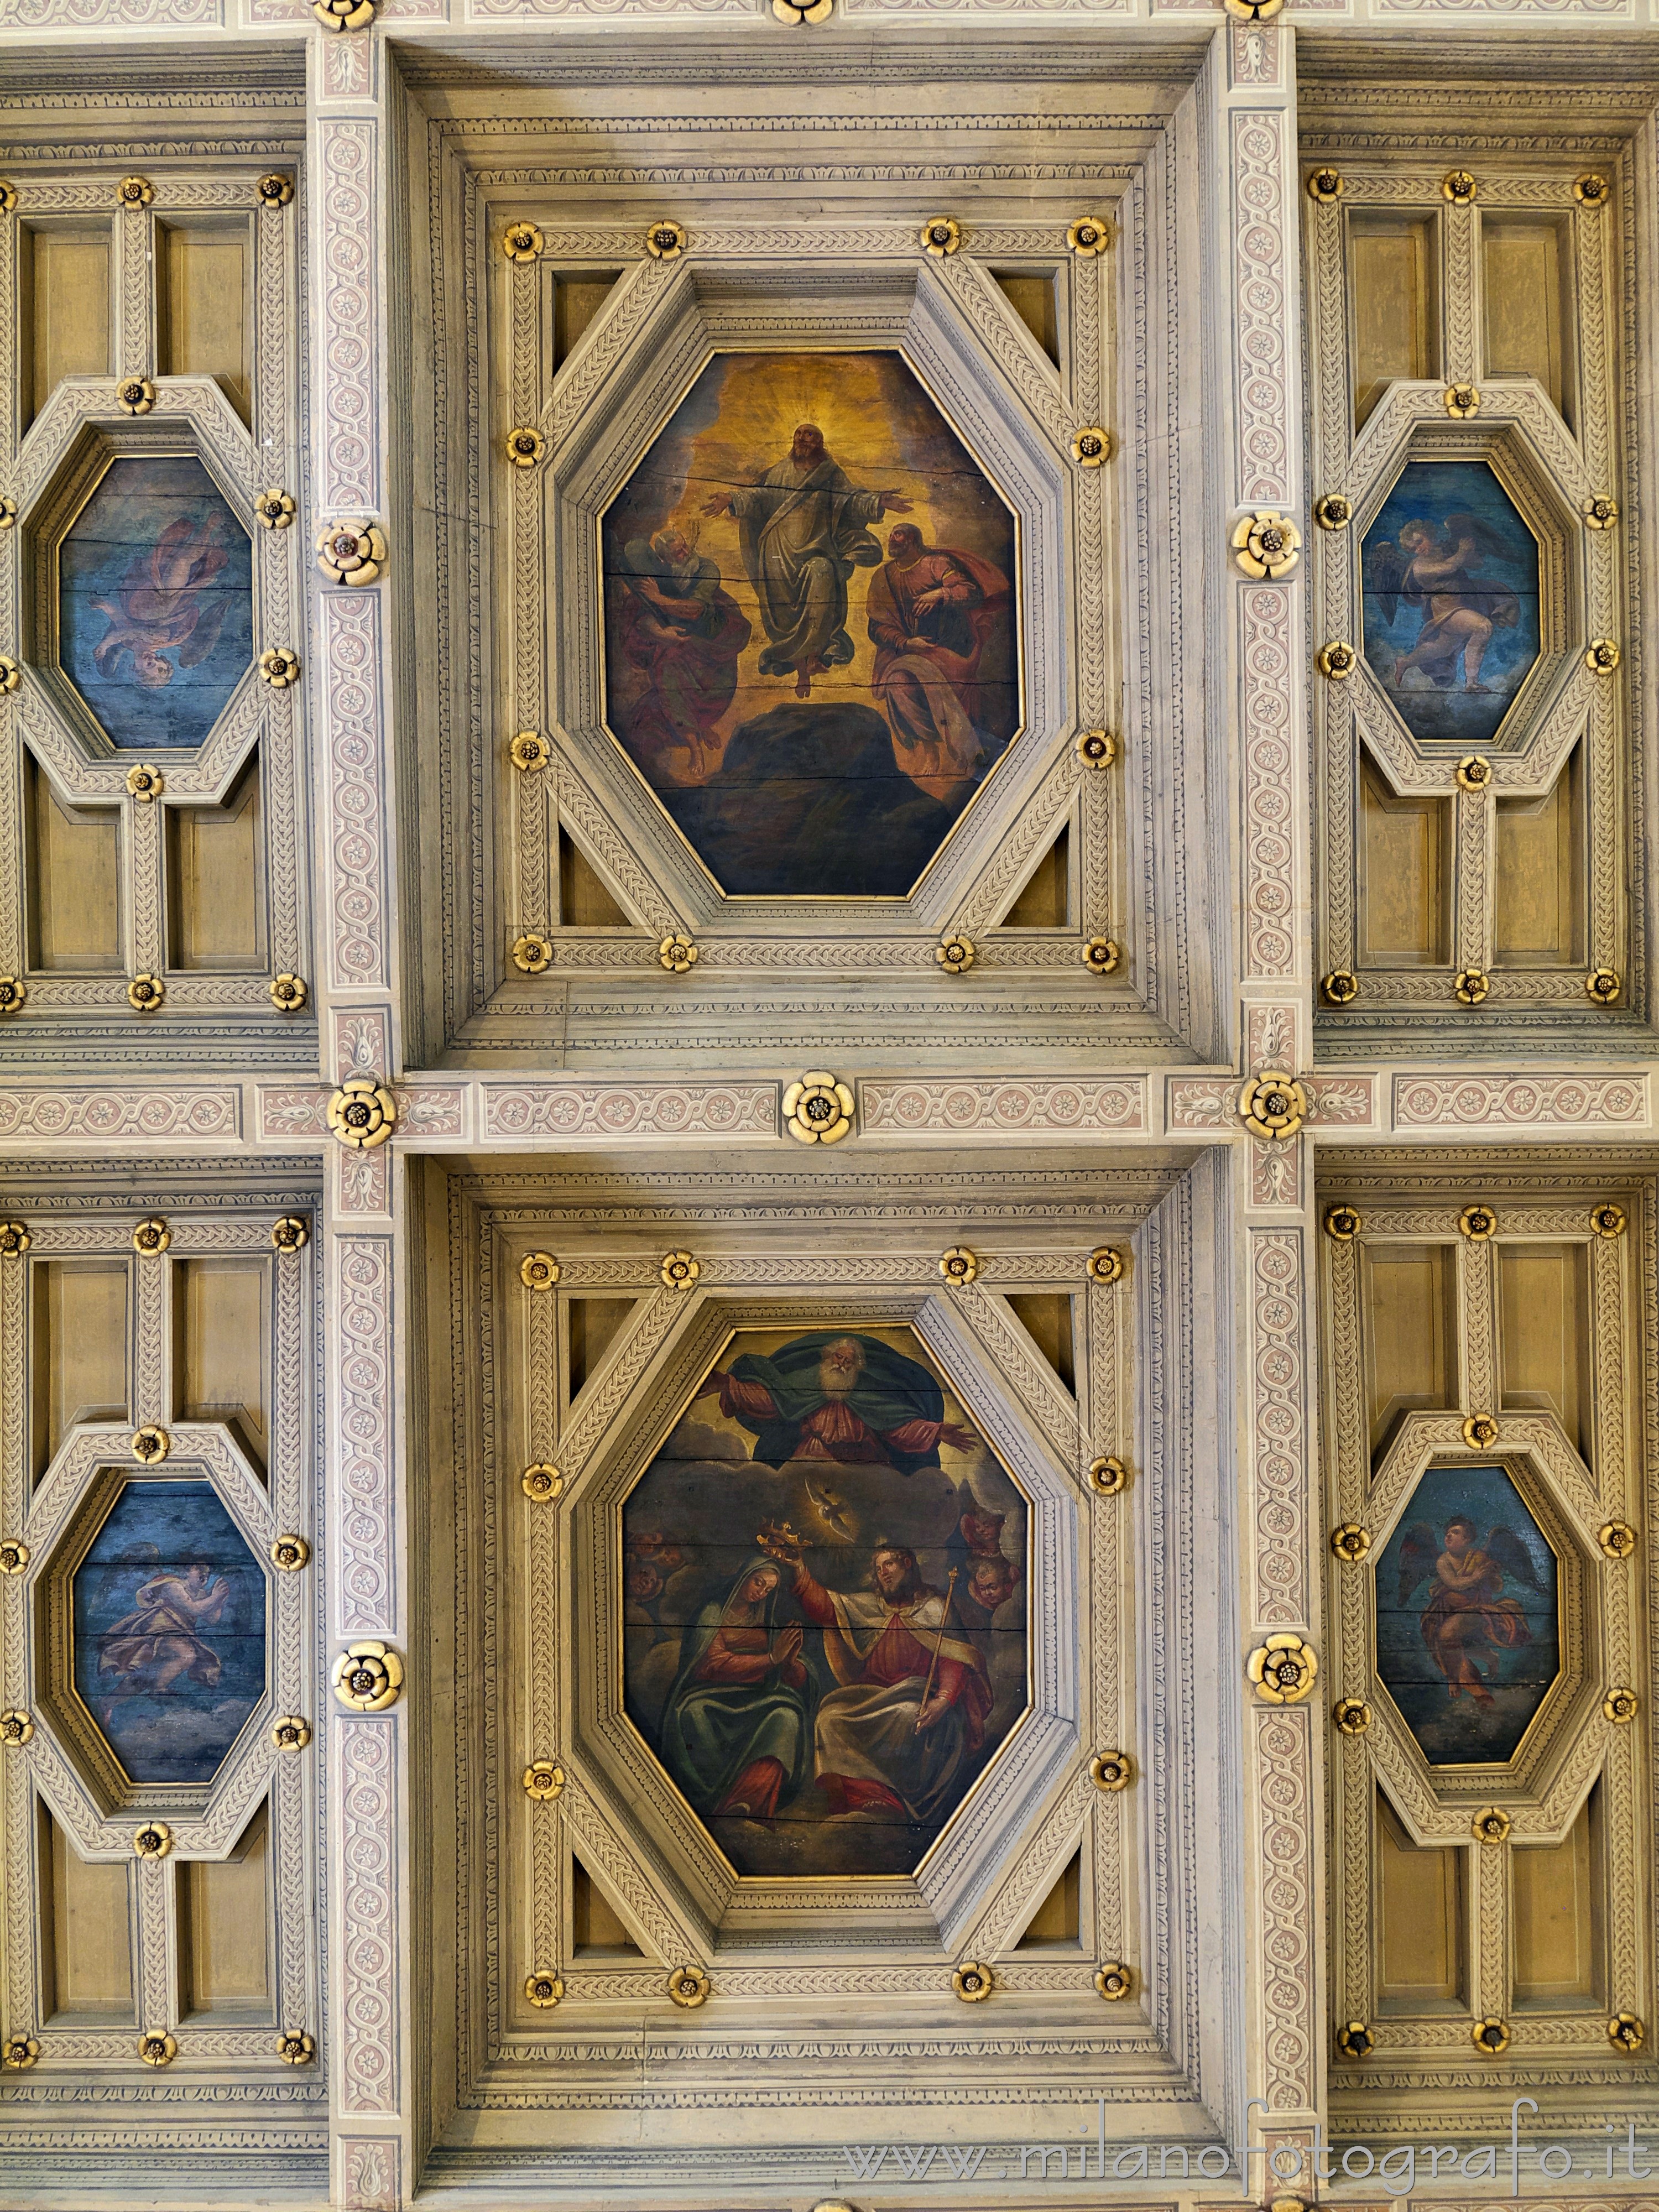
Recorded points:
(949, 1592)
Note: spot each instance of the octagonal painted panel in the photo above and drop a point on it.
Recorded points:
(1467, 1642)
(154, 602)
(810, 629)
(168, 1612)
(825, 1630)
(1451, 600)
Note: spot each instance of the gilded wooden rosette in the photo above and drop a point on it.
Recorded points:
(1273, 1104)
(959, 1265)
(973, 1981)
(817, 1110)
(1282, 1671)
(351, 551)
(367, 1677)
(1112, 1770)
(362, 1113)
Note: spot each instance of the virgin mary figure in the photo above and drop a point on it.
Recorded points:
(738, 1722)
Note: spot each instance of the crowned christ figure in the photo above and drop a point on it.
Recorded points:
(847, 1397)
(802, 529)
(898, 1736)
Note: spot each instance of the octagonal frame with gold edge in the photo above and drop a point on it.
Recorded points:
(76, 1495)
(1535, 1453)
(988, 430)
(669, 1838)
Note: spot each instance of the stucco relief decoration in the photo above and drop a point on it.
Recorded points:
(824, 1624)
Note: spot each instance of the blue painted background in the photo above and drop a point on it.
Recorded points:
(1432, 492)
(178, 1730)
(155, 624)
(1463, 1730)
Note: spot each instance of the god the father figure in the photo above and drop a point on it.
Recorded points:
(802, 529)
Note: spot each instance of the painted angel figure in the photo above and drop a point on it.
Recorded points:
(161, 1638)
(1436, 568)
(165, 605)
(1468, 1620)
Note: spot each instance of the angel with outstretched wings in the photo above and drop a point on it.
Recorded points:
(166, 605)
(1468, 1620)
(1436, 568)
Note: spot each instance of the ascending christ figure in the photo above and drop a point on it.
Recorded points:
(802, 529)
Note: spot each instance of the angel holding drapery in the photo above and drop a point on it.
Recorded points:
(1437, 568)
(1467, 1621)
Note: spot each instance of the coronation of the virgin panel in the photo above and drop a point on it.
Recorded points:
(824, 1571)
(811, 641)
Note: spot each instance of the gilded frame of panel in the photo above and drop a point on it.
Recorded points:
(62, 1767)
(40, 468)
(529, 1574)
(830, 274)
(1571, 1749)
(1563, 710)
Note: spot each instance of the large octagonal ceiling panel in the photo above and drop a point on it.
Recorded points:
(155, 606)
(1451, 607)
(824, 1628)
(813, 703)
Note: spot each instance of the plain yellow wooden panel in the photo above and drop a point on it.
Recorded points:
(1391, 265)
(1536, 910)
(80, 1348)
(594, 1925)
(1047, 1318)
(86, 1931)
(1544, 1320)
(1405, 876)
(594, 1322)
(206, 303)
(66, 291)
(216, 879)
(224, 1340)
(224, 1928)
(585, 903)
(1031, 293)
(576, 300)
(1045, 902)
(1555, 1917)
(1522, 266)
(1411, 1332)
(1058, 1920)
(74, 882)
(1420, 1917)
